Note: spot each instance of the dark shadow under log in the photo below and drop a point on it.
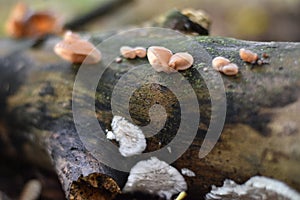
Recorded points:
(261, 135)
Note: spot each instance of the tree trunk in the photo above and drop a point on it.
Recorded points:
(261, 133)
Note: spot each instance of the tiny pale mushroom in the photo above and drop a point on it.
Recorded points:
(248, 56)
(231, 69)
(140, 52)
(159, 58)
(181, 61)
(219, 62)
(224, 65)
(128, 52)
(77, 51)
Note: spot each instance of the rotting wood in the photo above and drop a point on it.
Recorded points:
(261, 135)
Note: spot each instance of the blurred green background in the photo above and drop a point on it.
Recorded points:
(262, 20)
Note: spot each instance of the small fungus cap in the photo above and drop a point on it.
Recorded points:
(219, 62)
(231, 69)
(127, 52)
(159, 57)
(140, 52)
(181, 61)
(248, 56)
(76, 50)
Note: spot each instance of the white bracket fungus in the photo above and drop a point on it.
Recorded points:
(130, 137)
(258, 187)
(156, 177)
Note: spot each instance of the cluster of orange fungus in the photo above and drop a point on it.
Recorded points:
(25, 23)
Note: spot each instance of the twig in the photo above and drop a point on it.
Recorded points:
(103, 9)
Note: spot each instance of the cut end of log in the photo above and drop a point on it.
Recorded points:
(94, 186)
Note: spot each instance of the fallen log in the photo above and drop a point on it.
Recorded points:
(260, 136)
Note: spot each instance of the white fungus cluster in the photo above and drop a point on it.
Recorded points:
(258, 187)
(156, 177)
(130, 137)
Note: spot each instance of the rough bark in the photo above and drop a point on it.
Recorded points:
(261, 134)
